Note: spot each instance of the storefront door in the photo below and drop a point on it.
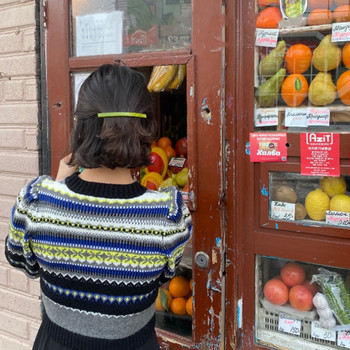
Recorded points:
(82, 35)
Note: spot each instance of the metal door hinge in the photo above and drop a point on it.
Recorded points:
(44, 13)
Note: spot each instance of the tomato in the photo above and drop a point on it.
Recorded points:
(276, 292)
(300, 298)
(292, 274)
(312, 287)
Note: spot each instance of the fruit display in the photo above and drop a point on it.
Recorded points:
(291, 287)
(168, 165)
(303, 71)
(176, 296)
(312, 200)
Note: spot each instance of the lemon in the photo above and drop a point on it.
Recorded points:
(340, 202)
(316, 204)
(333, 185)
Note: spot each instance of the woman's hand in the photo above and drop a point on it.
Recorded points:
(64, 170)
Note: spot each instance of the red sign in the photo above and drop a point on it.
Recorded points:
(268, 147)
(319, 154)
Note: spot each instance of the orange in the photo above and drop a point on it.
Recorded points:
(319, 16)
(342, 14)
(346, 55)
(263, 3)
(294, 90)
(189, 306)
(163, 300)
(178, 306)
(341, 2)
(170, 152)
(319, 4)
(164, 142)
(191, 284)
(269, 17)
(154, 143)
(298, 58)
(343, 87)
(179, 287)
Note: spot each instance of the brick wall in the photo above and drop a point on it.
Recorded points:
(19, 301)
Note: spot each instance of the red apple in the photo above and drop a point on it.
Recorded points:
(181, 147)
(157, 164)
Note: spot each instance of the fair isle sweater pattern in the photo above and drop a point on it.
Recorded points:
(101, 252)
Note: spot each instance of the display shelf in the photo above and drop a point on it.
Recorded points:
(305, 29)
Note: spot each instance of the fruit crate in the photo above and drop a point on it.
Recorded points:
(180, 324)
(268, 333)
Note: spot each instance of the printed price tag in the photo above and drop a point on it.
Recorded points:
(289, 325)
(318, 116)
(319, 332)
(266, 117)
(337, 218)
(341, 31)
(266, 37)
(296, 117)
(282, 211)
(344, 339)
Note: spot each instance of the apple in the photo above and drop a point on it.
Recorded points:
(181, 147)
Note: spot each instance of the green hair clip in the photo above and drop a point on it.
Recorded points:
(121, 114)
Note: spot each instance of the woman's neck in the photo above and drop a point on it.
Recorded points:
(117, 176)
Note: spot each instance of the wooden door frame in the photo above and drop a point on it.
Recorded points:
(247, 234)
(206, 141)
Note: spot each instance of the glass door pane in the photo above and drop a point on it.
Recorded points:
(124, 26)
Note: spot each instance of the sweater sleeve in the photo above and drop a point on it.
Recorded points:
(176, 239)
(18, 244)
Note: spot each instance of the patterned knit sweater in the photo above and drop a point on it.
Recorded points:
(101, 252)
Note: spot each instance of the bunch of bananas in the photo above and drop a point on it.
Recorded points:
(166, 77)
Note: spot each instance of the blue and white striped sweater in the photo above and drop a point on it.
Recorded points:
(87, 240)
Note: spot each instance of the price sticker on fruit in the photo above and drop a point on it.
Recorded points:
(266, 37)
(289, 325)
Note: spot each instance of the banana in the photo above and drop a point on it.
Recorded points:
(161, 77)
(179, 77)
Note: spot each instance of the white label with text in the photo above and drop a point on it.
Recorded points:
(289, 325)
(266, 37)
(282, 211)
(344, 339)
(319, 332)
(337, 218)
(341, 31)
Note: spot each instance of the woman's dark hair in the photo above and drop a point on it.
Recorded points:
(112, 141)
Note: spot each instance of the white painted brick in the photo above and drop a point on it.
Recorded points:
(31, 140)
(13, 90)
(11, 42)
(34, 287)
(1, 91)
(29, 40)
(21, 114)
(13, 324)
(4, 276)
(19, 65)
(33, 330)
(18, 281)
(30, 90)
(18, 16)
(11, 186)
(4, 227)
(20, 303)
(12, 139)
(6, 205)
(20, 163)
(2, 254)
(8, 342)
